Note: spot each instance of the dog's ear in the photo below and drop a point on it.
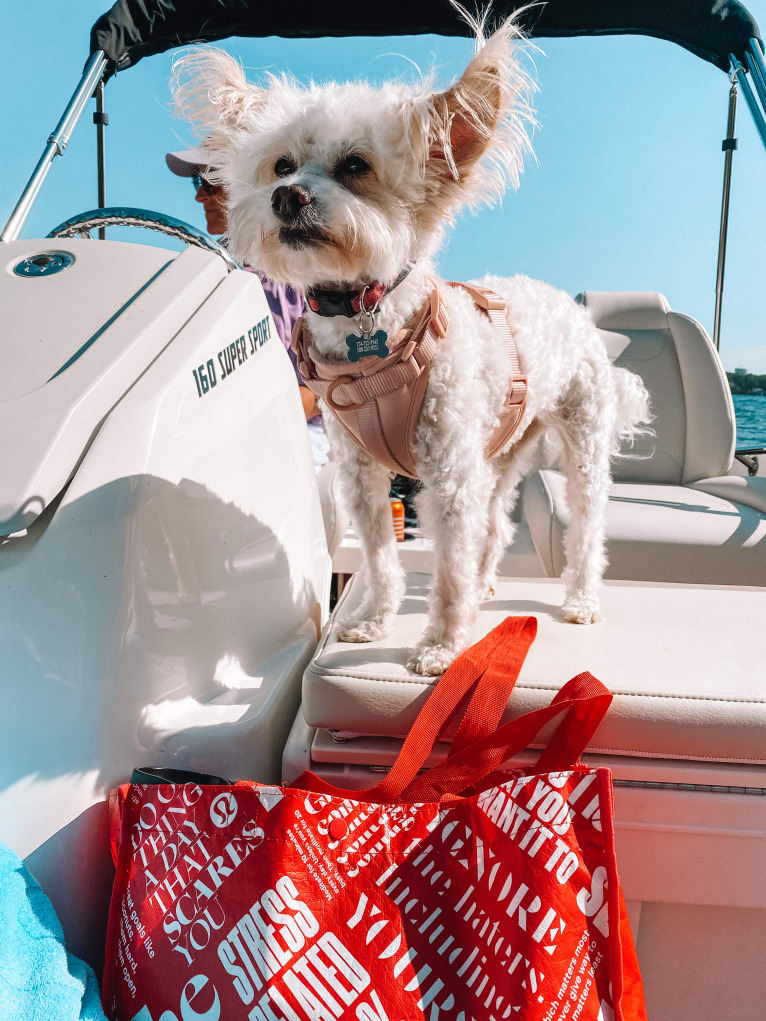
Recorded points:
(484, 114)
(210, 90)
(466, 115)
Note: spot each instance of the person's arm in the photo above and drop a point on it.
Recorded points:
(309, 401)
(286, 306)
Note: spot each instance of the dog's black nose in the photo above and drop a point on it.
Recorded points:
(287, 201)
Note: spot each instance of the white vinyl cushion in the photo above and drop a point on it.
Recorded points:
(712, 533)
(691, 402)
(685, 664)
(751, 492)
(658, 457)
(710, 423)
(626, 310)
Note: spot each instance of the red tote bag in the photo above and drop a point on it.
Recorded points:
(458, 893)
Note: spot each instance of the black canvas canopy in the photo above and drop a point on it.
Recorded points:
(133, 29)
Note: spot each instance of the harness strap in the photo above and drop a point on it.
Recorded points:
(372, 434)
(359, 391)
(497, 311)
(365, 388)
(378, 401)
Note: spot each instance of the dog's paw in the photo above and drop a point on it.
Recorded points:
(580, 611)
(431, 660)
(364, 630)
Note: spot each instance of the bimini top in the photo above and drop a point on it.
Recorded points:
(132, 29)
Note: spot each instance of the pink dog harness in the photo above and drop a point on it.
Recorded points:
(378, 400)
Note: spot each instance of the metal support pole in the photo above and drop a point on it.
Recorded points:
(57, 142)
(757, 69)
(728, 145)
(100, 119)
(747, 92)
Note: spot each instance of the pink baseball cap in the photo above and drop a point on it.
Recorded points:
(187, 163)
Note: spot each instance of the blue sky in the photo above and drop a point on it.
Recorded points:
(625, 193)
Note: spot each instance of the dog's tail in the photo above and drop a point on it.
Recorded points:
(634, 416)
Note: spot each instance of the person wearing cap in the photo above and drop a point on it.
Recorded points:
(285, 303)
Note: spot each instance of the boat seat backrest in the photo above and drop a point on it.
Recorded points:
(691, 401)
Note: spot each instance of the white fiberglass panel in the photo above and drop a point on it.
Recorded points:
(164, 611)
(90, 331)
(48, 317)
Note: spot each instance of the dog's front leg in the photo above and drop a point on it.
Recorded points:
(453, 507)
(366, 486)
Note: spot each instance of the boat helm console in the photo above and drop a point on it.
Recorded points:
(163, 589)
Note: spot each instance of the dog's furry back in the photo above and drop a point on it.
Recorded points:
(564, 358)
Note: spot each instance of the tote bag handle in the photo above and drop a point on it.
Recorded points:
(585, 701)
(490, 669)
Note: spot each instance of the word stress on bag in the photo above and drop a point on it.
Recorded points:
(458, 893)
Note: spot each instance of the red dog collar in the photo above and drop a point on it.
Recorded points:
(349, 303)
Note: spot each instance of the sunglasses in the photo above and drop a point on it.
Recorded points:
(200, 182)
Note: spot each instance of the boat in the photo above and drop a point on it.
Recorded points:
(167, 552)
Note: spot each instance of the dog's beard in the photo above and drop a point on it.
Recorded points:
(353, 245)
(306, 230)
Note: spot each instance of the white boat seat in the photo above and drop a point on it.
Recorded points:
(676, 512)
(661, 532)
(682, 691)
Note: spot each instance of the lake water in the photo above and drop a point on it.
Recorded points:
(751, 421)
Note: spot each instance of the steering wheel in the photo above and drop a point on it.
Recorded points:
(82, 224)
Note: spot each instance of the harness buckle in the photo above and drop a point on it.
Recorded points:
(517, 391)
(493, 303)
(408, 350)
(483, 297)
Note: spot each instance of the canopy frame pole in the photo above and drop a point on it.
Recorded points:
(728, 145)
(750, 98)
(757, 68)
(57, 143)
(101, 119)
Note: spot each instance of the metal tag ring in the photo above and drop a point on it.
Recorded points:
(367, 331)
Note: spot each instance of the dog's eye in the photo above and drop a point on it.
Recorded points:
(284, 167)
(352, 166)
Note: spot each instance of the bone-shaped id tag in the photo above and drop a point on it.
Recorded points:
(370, 344)
(371, 341)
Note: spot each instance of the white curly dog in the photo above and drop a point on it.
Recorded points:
(368, 179)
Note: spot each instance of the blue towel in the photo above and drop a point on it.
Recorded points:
(38, 978)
